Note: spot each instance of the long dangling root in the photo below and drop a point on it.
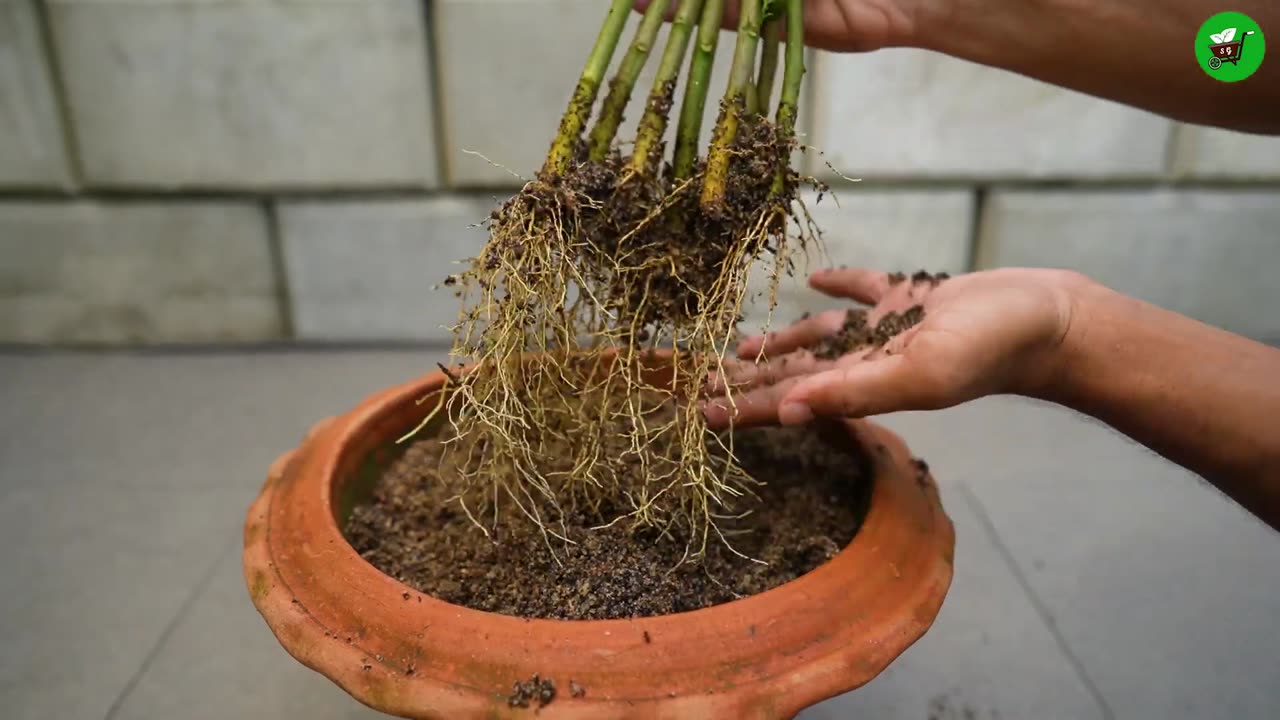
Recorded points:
(607, 293)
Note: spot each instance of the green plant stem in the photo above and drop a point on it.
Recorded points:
(584, 95)
(792, 75)
(625, 81)
(744, 63)
(793, 72)
(768, 63)
(695, 92)
(653, 124)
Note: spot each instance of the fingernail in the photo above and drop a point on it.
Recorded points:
(794, 414)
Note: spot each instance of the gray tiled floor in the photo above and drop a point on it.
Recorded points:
(1093, 580)
(1166, 591)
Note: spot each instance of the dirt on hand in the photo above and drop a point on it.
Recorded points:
(918, 277)
(858, 333)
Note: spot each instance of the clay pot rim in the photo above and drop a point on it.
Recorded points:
(328, 446)
(359, 425)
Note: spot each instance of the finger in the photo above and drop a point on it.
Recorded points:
(751, 347)
(860, 284)
(890, 384)
(798, 335)
(745, 376)
(732, 375)
(758, 407)
(827, 24)
(728, 21)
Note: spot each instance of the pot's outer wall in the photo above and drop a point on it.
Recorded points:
(409, 654)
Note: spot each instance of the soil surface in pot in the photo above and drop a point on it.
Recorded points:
(815, 494)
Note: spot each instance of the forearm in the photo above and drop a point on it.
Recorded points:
(1203, 398)
(1139, 52)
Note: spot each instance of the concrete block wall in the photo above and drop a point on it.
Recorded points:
(219, 171)
(33, 147)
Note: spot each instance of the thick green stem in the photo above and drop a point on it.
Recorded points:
(768, 63)
(625, 80)
(584, 95)
(792, 74)
(695, 92)
(744, 63)
(653, 124)
(750, 100)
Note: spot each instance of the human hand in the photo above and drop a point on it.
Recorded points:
(841, 25)
(983, 333)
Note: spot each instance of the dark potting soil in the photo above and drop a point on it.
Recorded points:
(815, 493)
(918, 277)
(534, 691)
(858, 333)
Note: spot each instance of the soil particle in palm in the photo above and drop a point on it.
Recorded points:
(918, 277)
(858, 333)
(922, 277)
(812, 501)
(895, 323)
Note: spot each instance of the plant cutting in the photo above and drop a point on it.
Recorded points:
(547, 523)
(602, 258)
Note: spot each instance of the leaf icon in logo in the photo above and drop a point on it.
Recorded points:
(1224, 37)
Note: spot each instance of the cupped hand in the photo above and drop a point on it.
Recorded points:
(983, 333)
(841, 25)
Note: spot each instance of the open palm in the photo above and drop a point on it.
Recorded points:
(983, 333)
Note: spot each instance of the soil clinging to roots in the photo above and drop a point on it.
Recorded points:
(588, 281)
(610, 289)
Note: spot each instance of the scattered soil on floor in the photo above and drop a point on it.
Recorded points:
(813, 498)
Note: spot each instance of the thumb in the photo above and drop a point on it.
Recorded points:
(884, 385)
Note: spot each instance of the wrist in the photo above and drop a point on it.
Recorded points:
(1055, 363)
(989, 32)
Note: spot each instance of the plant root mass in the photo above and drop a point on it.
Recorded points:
(610, 289)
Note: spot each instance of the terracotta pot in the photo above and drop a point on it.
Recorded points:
(408, 654)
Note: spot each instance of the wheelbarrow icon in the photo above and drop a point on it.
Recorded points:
(1226, 49)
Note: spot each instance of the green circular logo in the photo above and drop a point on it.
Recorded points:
(1230, 46)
